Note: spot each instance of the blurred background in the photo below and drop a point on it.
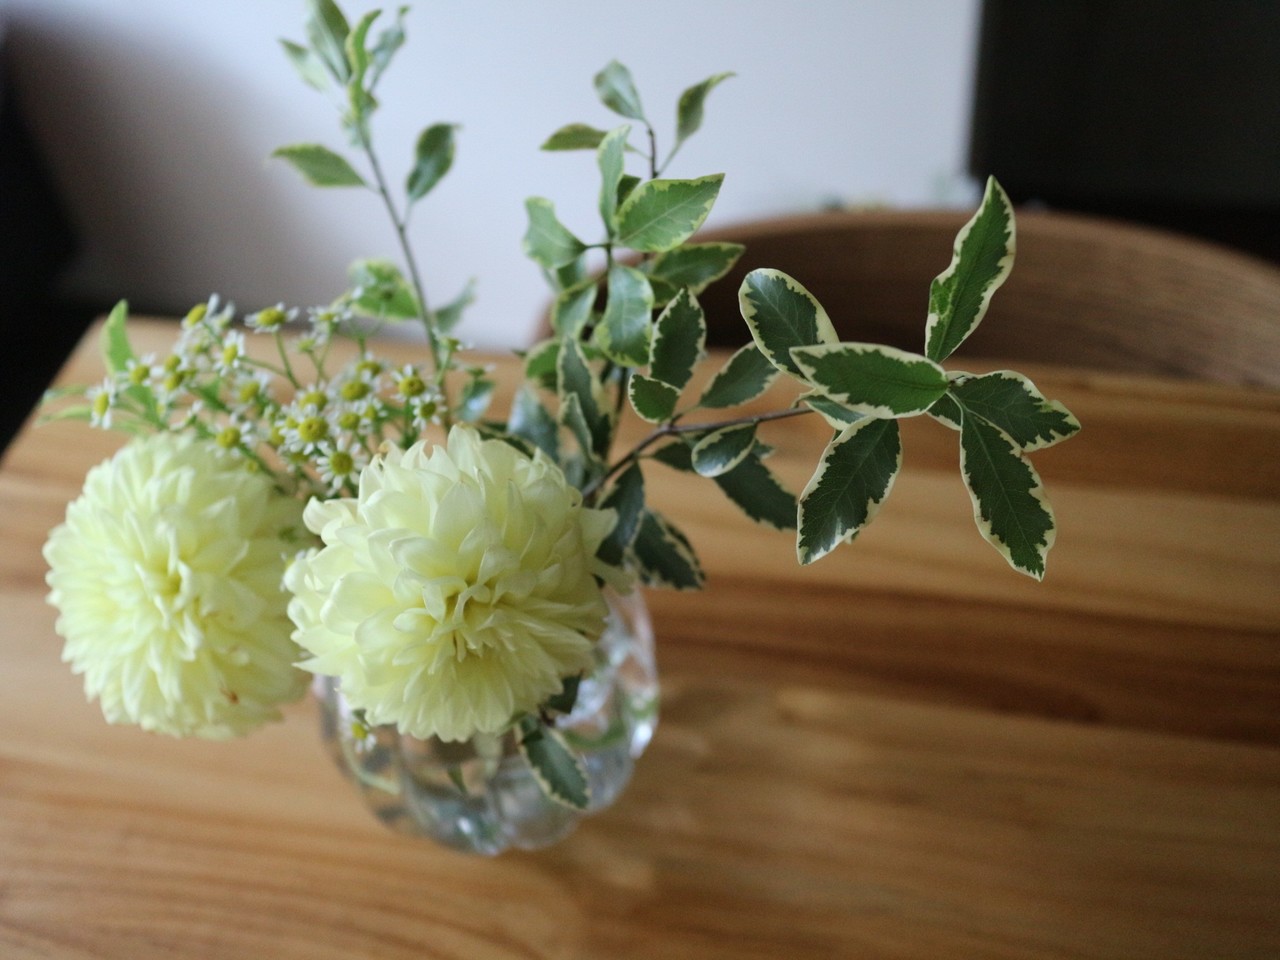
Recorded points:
(134, 135)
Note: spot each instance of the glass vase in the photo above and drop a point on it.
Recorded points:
(480, 796)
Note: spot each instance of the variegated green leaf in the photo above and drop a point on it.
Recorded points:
(447, 316)
(855, 474)
(610, 157)
(532, 421)
(980, 263)
(946, 411)
(626, 499)
(327, 30)
(547, 240)
(617, 91)
(837, 415)
(576, 379)
(758, 493)
(572, 308)
(433, 157)
(574, 136)
(623, 333)
(1011, 402)
(653, 400)
(696, 265)
(571, 417)
(745, 376)
(542, 363)
(782, 314)
(557, 769)
(872, 379)
(679, 341)
(722, 450)
(662, 214)
(664, 556)
(308, 65)
(689, 109)
(320, 165)
(116, 351)
(1009, 503)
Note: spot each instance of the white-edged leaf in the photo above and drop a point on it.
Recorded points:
(626, 499)
(576, 379)
(574, 136)
(980, 263)
(689, 108)
(876, 380)
(327, 29)
(571, 310)
(662, 214)
(572, 418)
(542, 363)
(532, 421)
(746, 375)
(309, 66)
(653, 400)
(837, 415)
(557, 769)
(433, 156)
(695, 265)
(1011, 402)
(547, 240)
(854, 475)
(1009, 503)
(758, 493)
(679, 340)
(624, 330)
(722, 450)
(664, 556)
(319, 165)
(610, 158)
(617, 91)
(782, 314)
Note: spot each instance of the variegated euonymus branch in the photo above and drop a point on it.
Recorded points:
(406, 573)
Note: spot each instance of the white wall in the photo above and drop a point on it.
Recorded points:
(158, 114)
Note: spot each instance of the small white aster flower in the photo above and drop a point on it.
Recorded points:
(342, 464)
(231, 354)
(101, 399)
(166, 575)
(271, 319)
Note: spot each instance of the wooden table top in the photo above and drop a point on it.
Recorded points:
(905, 750)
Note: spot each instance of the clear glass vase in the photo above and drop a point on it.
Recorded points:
(480, 796)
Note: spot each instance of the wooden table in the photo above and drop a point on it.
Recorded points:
(905, 750)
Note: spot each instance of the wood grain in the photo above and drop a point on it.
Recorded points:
(905, 750)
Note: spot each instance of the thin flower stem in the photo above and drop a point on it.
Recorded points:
(672, 429)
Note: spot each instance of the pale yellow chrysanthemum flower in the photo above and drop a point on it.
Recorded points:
(457, 590)
(167, 575)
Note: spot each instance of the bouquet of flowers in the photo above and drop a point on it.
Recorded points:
(274, 519)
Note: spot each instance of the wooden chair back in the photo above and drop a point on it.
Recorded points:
(1084, 291)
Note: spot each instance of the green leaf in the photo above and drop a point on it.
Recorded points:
(759, 494)
(1009, 502)
(664, 556)
(623, 333)
(564, 701)
(389, 41)
(746, 375)
(872, 379)
(532, 421)
(853, 478)
(477, 393)
(572, 417)
(679, 341)
(381, 290)
(610, 157)
(837, 415)
(572, 308)
(447, 317)
(653, 400)
(627, 186)
(116, 352)
(542, 363)
(946, 411)
(574, 136)
(722, 450)
(689, 109)
(676, 455)
(696, 265)
(320, 165)
(617, 91)
(782, 314)
(1011, 402)
(577, 379)
(362, 103)
(980, 263)
(557, 769)
(308, 65)
(547, 240)
(626, 498)
(661, 214)
(327, 31)
(432, 159)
